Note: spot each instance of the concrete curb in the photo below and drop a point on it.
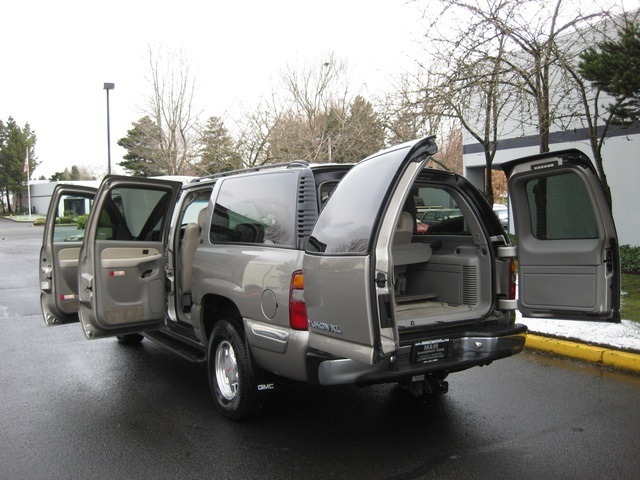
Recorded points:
(588, 353)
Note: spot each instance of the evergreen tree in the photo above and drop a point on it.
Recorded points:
(16, 145)
(76, 173)
(218, 152)
(60, 176)
(143, 149)
(363, 133)
(614, 67)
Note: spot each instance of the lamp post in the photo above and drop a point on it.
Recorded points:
(107, 87)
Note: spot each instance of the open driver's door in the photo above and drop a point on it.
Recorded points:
(121, 278)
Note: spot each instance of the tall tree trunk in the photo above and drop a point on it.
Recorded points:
(8, 202)
(488, 180)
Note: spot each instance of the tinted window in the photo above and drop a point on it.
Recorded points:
(441, 212)
(133, 214)
(348, 220)
(71, 217)
(193, 205)
(256, 209)
(326, 189)
(560, 208)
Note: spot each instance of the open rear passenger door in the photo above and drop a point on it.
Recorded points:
(61, 241)
(348, 282)
(122, 260)
(568, 258)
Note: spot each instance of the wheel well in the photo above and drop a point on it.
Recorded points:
(216, 308)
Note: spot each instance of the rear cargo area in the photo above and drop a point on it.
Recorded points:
(443, 274)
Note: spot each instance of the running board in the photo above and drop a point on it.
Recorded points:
(191, 353)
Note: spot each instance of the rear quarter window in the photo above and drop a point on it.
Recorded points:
(256, 209)
(441, 213)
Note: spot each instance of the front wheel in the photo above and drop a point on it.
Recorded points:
(231, 374)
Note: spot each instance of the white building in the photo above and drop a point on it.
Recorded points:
(41, 191)
(621, 150)
(621, 154)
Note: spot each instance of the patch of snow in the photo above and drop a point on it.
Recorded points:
(623, 336)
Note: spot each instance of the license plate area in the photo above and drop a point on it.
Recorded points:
(430, 351)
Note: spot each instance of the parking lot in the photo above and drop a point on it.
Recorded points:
(73, 408)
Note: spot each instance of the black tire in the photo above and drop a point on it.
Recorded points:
(231, 373)
(130, 339)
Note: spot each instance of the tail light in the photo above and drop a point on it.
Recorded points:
(513, 275)
(297, 308)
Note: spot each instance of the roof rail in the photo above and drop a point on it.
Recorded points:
(294, 163)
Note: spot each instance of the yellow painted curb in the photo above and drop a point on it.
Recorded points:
(588, 353)
(622, 360)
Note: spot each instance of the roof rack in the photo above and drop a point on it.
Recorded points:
(295, 163)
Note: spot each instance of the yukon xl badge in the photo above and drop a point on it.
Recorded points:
(328, 327)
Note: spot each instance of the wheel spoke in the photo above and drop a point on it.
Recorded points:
(226, 369)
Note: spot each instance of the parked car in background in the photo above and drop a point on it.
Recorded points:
(502, 212)
(436, 216)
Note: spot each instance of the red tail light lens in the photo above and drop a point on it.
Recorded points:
(297, 308)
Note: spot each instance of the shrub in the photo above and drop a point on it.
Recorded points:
(66, 220)
(39, 221)
(630, 259)
(82, 221)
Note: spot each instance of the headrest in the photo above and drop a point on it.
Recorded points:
(405, 223)
(202, 216)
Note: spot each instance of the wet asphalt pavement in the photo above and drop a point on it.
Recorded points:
(78, 409)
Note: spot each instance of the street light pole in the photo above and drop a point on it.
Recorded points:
(107, 87)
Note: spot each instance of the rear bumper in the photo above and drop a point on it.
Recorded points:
(463, 350)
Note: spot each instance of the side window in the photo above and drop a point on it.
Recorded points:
(326, 189)
(195, 203)
(256, 209)
(134, 214)
(71, 217)
(560, 208)
(439, 211)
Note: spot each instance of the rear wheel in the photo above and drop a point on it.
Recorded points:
(231, 374)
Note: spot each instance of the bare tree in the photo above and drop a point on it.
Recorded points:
(449, 154)
(404, 111)
(532, 32)
(315, 97)
(468, 84)
(312, 115)
(536, 73)
(171, 107)
(256, 132)
(596, 119)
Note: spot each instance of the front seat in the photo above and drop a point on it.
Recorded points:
(187, 253)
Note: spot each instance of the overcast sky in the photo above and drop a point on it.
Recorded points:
(57, 55)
